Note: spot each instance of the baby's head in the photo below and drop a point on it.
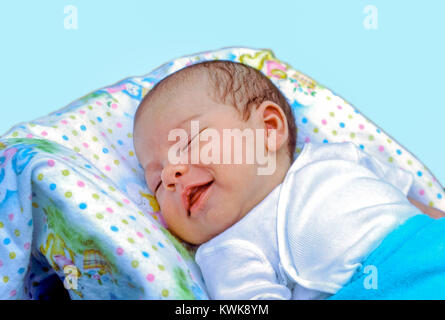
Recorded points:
(200, 199)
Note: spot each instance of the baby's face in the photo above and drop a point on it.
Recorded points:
(197, 200)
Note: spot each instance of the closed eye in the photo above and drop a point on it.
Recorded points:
(190, 141)
(157, 187)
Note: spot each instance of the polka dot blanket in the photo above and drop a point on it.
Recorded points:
(76, 217)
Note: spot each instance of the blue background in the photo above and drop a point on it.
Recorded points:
(394, 75)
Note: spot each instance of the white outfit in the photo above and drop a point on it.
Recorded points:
(306, 239)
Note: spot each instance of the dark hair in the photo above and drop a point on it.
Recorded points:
(236, 84)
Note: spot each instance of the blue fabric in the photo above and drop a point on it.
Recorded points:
(410, 264)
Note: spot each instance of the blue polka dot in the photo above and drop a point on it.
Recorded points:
(399, 152)
(21, 270)
(114, 228)
(99, 119)
(6, 241)
(342, 125)
(30, 222)
(65, 138)
(304, 120)
(83, 128)
(145, 254)
(362, 147)
(378, 130)
(120, 142)
(325, 141)
(52, 186)
(87, 166)
(356, 111)
(160, 244)
(439, 196)
(419, 173)
(105, 150)
(83, 206)
(132, 217)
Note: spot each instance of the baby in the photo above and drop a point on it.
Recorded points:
(298, 232)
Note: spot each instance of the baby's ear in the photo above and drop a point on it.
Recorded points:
(275, 123)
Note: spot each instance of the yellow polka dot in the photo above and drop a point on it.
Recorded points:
(130, 135)
(35, 205)
(108, 113)
(12, 255)
(94, 139)
(65, 173)
(109, 130)
(390, 159)
(315, 130)
(1, 225)
(116, 162)
(40, 177)
(135, 263)
(131, 240)
(389, 140)
(99, 215)
(95, 196)
(134, 170)
(332, 114)
(131, 153)
(124, 221)
(68, 194)
(17, 233)
(350, 116)
(161, 267)
(5, 279)
(431, 204)
(334, 132)
(165, 293)
(430, 184)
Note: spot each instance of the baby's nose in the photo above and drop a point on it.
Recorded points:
(171, 174)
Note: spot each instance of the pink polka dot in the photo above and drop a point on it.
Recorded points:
(361, 126)
(13, 293)
(114, 106)
(11, 216)
(307, 139)
(119, 125)
(103, 134)
(81, 184)
(108, 168)
(86, 145)
(381, 148)
(98, 103)
(120, 251)
(82, 112)
(140, 235)
(29, 135)
(123, 158)
(150, 277)
(324, 121)
(126, 201)
(178, 257)
(154, 226)
(421, 192)
(44, 133)
(51, 163)
(1, 263)
(27, 245)
(109, 210)
(339, 107)
(64, 122)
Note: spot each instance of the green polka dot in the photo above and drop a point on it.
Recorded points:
(390, 159)
(124, 221)
(65, 173)
(99, 215)
(164, 293)
(108, 113)
(409, 162)
(371, 137)
(73, 157)
(119, 204)
(74, 132)
(131, 240)
(334, 132)
(68, 194)
(116, 162)
(95, 196)
(147, 231)
(40, 177)
(113, 146)
(389, 140)
(130, 135)
(15, 134)
(32, 125)
(352, 135)
(315, 130)
(90, 107)
(92, 122)
(109, 130)
(111, 188)
(154, 247)
(140, 213)
(161, 267)
(135, 263)
(430, 184)
(350, 116)
(95, 156)
(332, 114)
(1, 225)
(134, 170)
(17, 233)
(94, 139)
(73, 117)
(76, 149)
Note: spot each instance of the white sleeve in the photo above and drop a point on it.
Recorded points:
(398, 177)
(238, 270)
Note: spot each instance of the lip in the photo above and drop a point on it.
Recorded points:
(192, 210)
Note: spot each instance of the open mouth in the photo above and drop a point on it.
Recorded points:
(195, 196)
